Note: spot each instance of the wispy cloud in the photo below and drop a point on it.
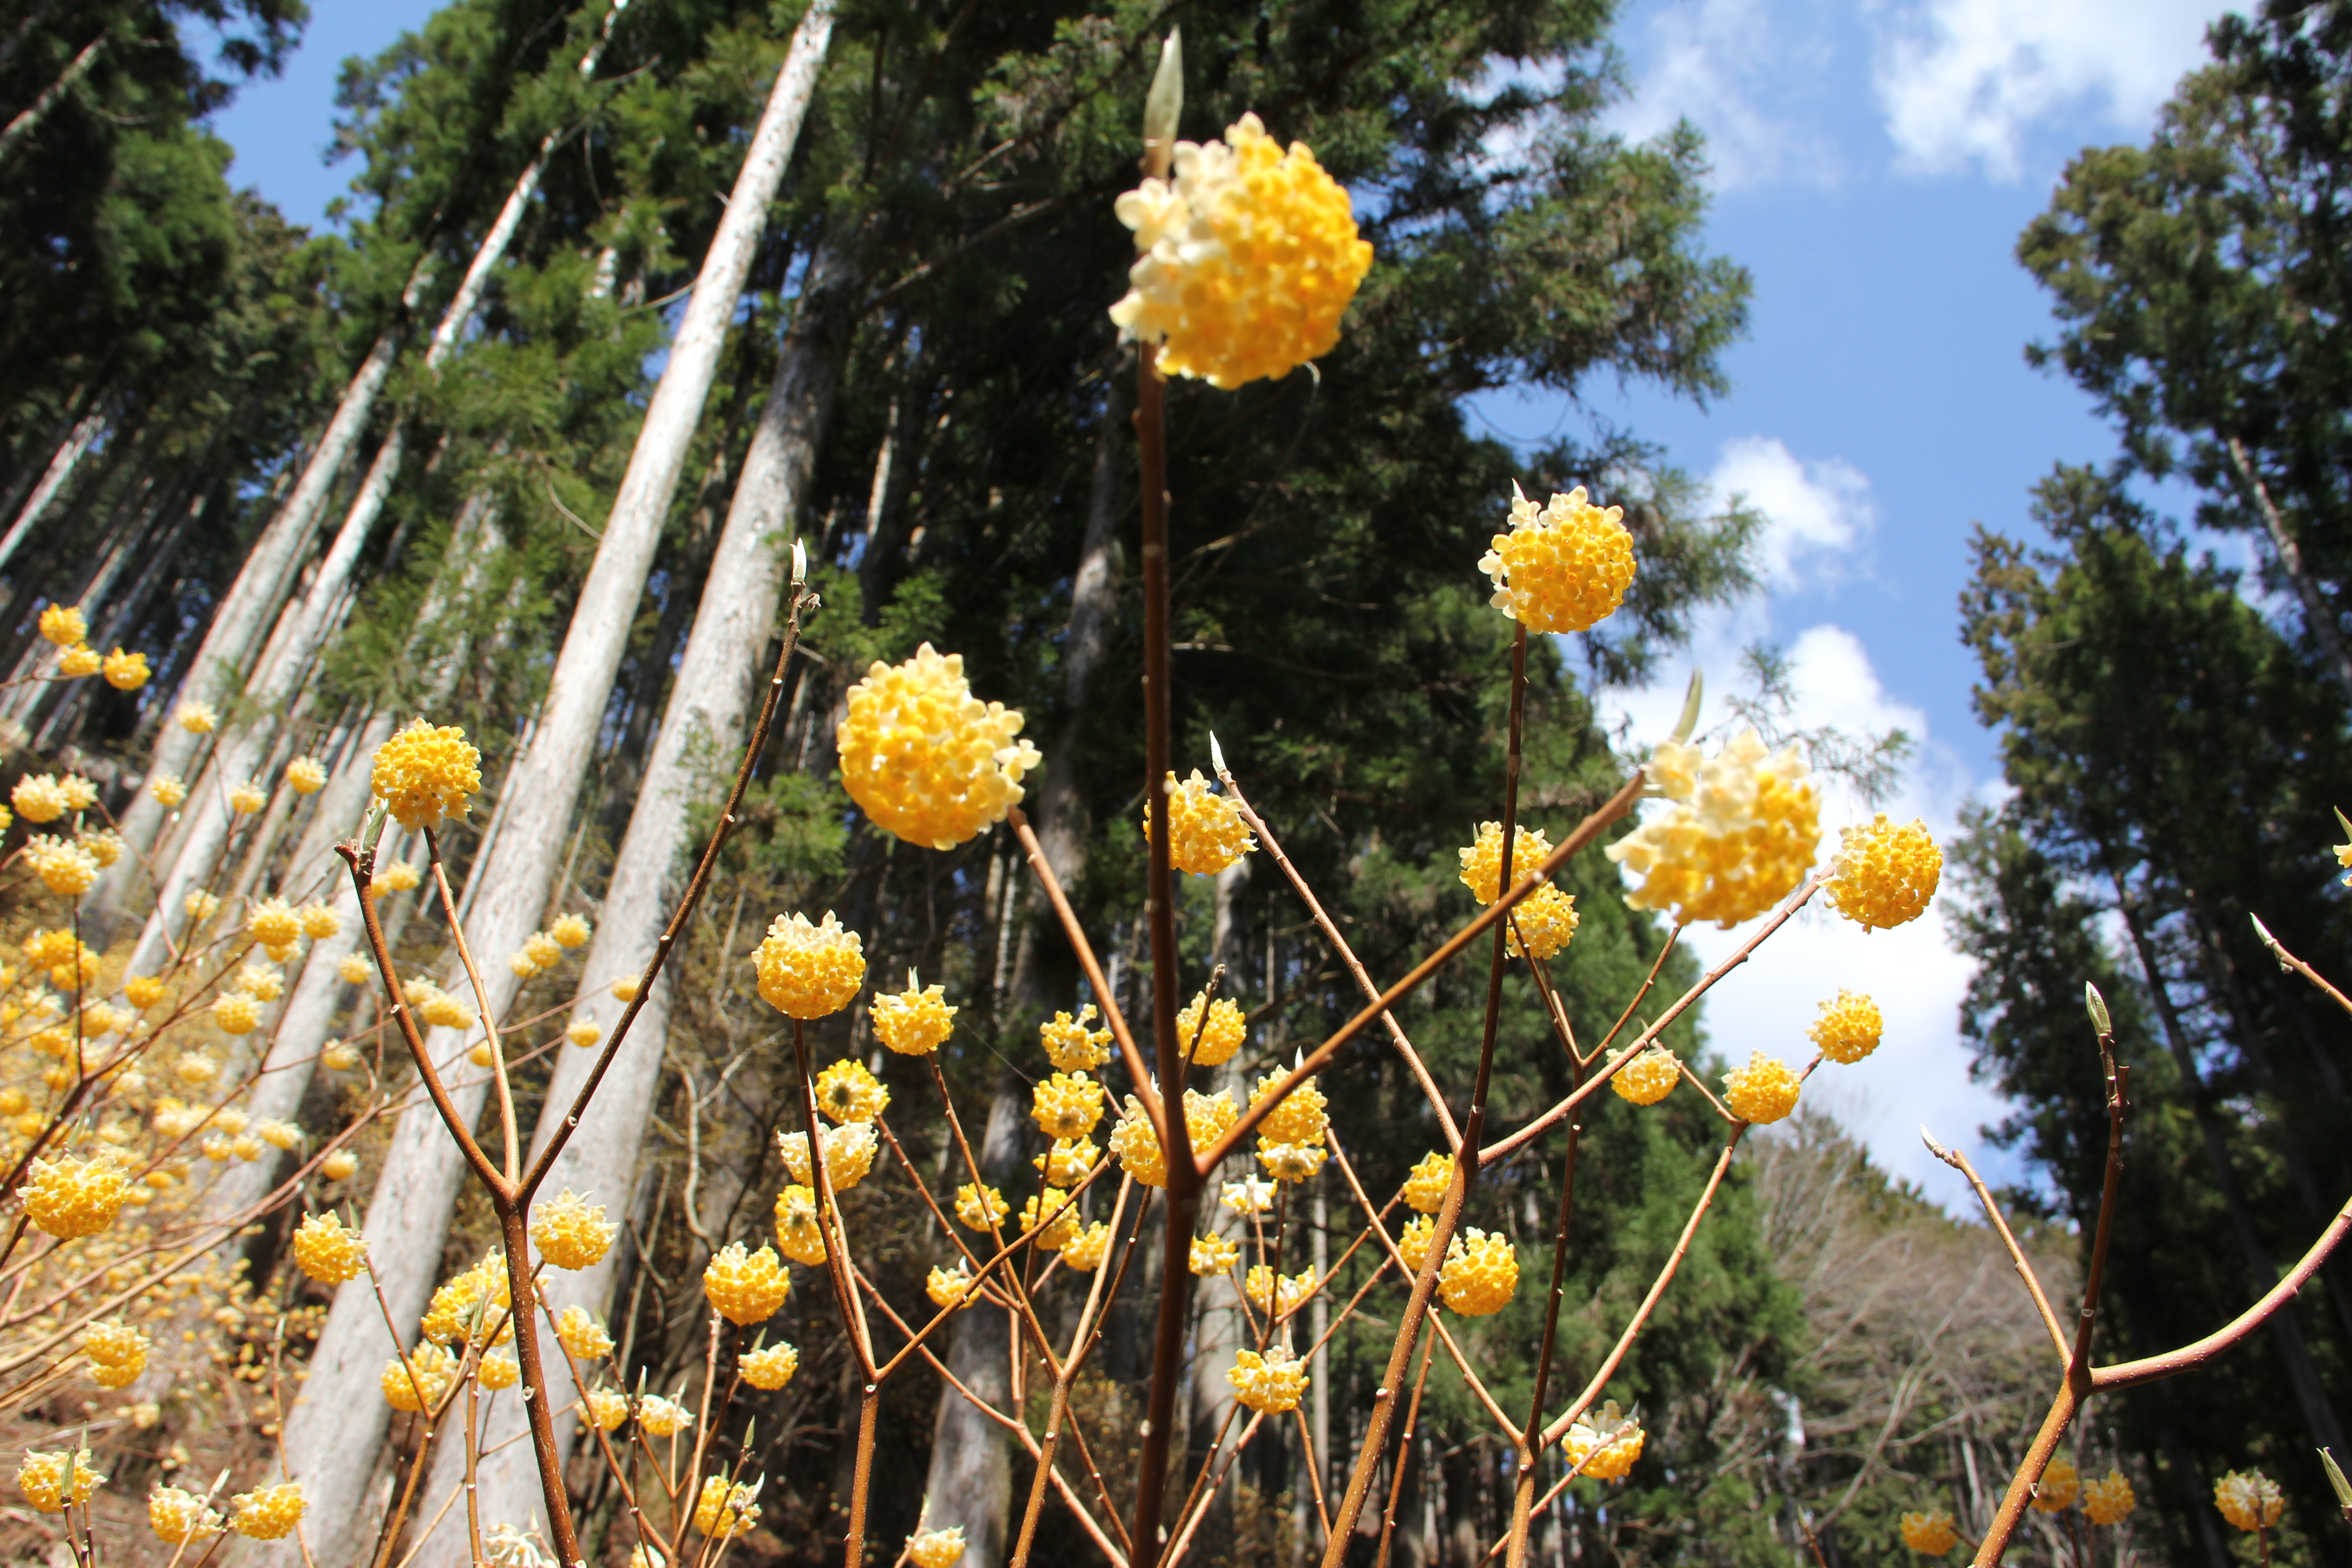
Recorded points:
(1738, 70)
(1820, 515)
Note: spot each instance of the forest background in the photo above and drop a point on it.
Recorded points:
(205, 340)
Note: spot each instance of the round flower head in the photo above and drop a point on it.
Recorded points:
(1547, 918)
(201, 906)
(1649, 1078)
(472, 1305)
(746, 1288)
(1299, 1119)
(105, 846)
(1067, 1161)
(79, 793)
(1764, 1090)
(169, 790)
(1414, 1241)
(197, 717)
(626, 989)
(663, 1417)
(354, 969)
(37, 798)
(306, 775)
(980, 1208)
(846, 1091)
(1848, 1028)
(1213, 1255)
(935, 1548)
(1219, 1039)
(1206, 833)
(66, 870)
(1482, 862)
(913, 1023)
(1137, 1146)
(117, 1351)
(1931, 1533)
(1086, 1251)
(849, 1151)
(1248, 1196)
(1071, 1045)
(319, 921)
(499, 1370)
(69, 1198)
(1259, 1286)
(64, 624)
(237, 1013)
(1563, 569)
(268, 1514)
(260, 982)
(571, 1233)
(771, 1367)
(80, 661)
(273, 923)
(1481, 1272)
(1053, 1216)
(582, 1335)
(1741, 837)
(43, 1479)
(809, 971)
(180, 1518)
(582, 1031)
(1882, 874)
(339, 1165)
(399, 877)
(570, 930)
(1271, 1384)
(724, 1511)
(949, 1287)
(1613, 1440)
(1066, 1105)
(246, 798)
(798, 1233)
(327, 1252)
(2060, 1484)
(924, 758)
(444, 1010)
(125, 671)
(607, 1409)
(423, 774)
(544, 950)
(2109, 1501)
(1424, 1189)
(1289, 1162)
(1249, 258)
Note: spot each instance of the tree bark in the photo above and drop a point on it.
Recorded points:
(2317, 613)
(25, 124)
(53, 479)
(338, 1423)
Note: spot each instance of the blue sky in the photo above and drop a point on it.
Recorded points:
(1874, 162)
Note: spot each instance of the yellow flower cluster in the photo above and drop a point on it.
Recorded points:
(1764, 1090)
(1052, 1217)
(1614, 1439)
(245, 798)
(1249, 1196)
(1299, 1119)
(1066, 1105)
(1414, 1241)
(237, 1013)
(809, 971)
(949, 1287)
(846, 1091)
(180, 1518)
(769, 1367)
(1848, 1028)
(924, 758)
(69, 1198)
(2249, 1500)
(607, 1409)
(571, 1232)
(201, 906)
(66, 870)
(42, 1479)
(980, 1208)
(914, 1023)
(466, 1306)
(1270, 1385)
(80, 661)
(1546, 918)
(798, 1233)
(326, 1251)
(423, 774)
(1071, 1045)
(1137, 1146)
(663, 1417)
(197, 717)
(1424, 1187)
(354, 969)
(64, 624)
(268, 1514)
(1649, 1078)
(1213, 1255)
(2109, 1501)
(1482, 863)
(1882, 874)
(2060, 1482)
(1086, 1251)
(1219, 1039)
(275, 923)
(1067, 1161)
(1481, 1272)
(1205, 831)
(935, 1548)
(1259, 1286)
(306, 775)
(582, 1031)
(725, 1511)
(1250, 256)
(1289, 1162)
(499, 1370)
(746, 1288)
(117, 1351)
(125, 671)
(849, 1151)
(582, 1335)
(1742, 835)
(1930, 1534)
(1563, 569)
(38, 798)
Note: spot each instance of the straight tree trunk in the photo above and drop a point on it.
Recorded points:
(53, 479)
(25, 124)
(338, 1423)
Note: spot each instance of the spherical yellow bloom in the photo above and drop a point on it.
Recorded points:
(273, 923)
(745, 1287)
(80, 795)
(64, 624)
(1482, 862)
(355, 968)
(1424, 1189)
(1882, 874)
(306, 775)
(849, 1151)
(1546, 918)
(65, 869)
(769, 1367)
(1084, 1251)
(607, 1409)
(1611, 1439)
(1414, 1241)
(1053, 1216)
(545, 951)
(197, 717)
(423, 774)
(582, 1031)
(2109, 1501)
(1206, 833)
(1649, 1078)
(798, 1233)
(42, 1479)
(1931, 1533)
(465, 1306)
(1073, 1046)
(1848, 1028)
(1764, 1090)
(143, 991)
(1563, 569)
(443, 1009)
(980, 1208)
(179, 1517)
(2060, 1484)
(1271, 1384)
(319, 921)
(48, 949)
(399, 877)
(570, 930)
(1299, 1119)
(1066, 1105)
(913, 1023)
(925, 759)
(169, 790)
(246, 798)
(327, 1252)
(69, 1198)
(1137, 1146)
(1259, 1286)
(624, 989)
(260, 982)
(809, 971)
(1249, 1195)
(571, 1232)
(499, 1370)
(105, 846)
(1219, 1039)
(582, 1335)
(724, 1511)
(1740, 837)
(846, 1091)
(663, 1417)
(201, 906)
(125, 671)
(1213, 1255)
(1067, 1162)
(1481, 1272)
(1249, 258)
(935, 1548)
(1289, 1162)
(268, 1514)
(237, 1013)
(949, 1287)
(117, 1351)
(338, 1166)
(37, 798)
(80, 661)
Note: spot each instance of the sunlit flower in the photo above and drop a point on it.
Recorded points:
(1206, 833)
(1250, 1195)
(1482, 862)
(1741, 836)
(935, 1548)
(1271, 1384)
(1882, 874)
(1052, 1216)
(78, 661)
(466, 1306)
(443, 1009)
(1764, 1090)
(64, 624)
(268, 1514)
(338, 1164)
(913, 1023)
(398, 876)
(809, 971)
(1848, 1028)
(260, 982)
(1424, 1189)
(571, 1232)
(1611, 1438)
(1219, 1039)
(2060, 1484)
(1546, 918)
(745, 1287)
(607, 1409)
(125, 671)
(2109, 1501)
(1213, 1255)
(771, 1367)
(66, 870)
(497, 1369)
(117, 1351)
(327, 1252)
(354, 969)
(38, 798)
(1931, 1533)
(201, 906)
(180, 1518)
(1086, 1251)
(1649, 1078)
(235, 1013)
(980, 1208)
(1071, 1045)
(143, 991)
(799, 1235)
(1258, 1284)
(306, 775)
(625, 988)
(43, 1480)
(949, 1287)
(1299, 1119)
(849, 1150)
(104, 845)
(1289, 1162)
(245, 799)
(1562, 569)
(570, 930)
(1482, 1270)
(1066, 1105)
(1414, 1241)
(197, 717)
(425, 773)
(1067, 1161)
(926, 760)
(582, 1335)
(725, 1510)
(1137, 1146)
(69, 1198)
(663, 1417)
(846, 1091)
(273, 923)
(169, 790)
(582, 1031)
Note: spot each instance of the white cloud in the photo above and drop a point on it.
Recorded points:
(1961, 81)
(1730, 66)
(1819, 513)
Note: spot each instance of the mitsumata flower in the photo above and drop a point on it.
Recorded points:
(1270, 1385)
(571, 1232)
(1481, 1272)
(44, 1479)
(268, 1514)
(1066, 1105)
(1205, 832)
(1259, 1286)
(327, 1252)
(117, 1351)
(1649, 1078)
(1299, 1119)
(1482, 862)
(69, 1198)
(1613, 1440)
(64, 624)
(771, 1367)
(125, 671)
(78, 661)
(180, 1518)
(1053, 1216)
(424, 775)
(913, 1023)
(1931, 1533)
(1741, 837)
(926, 760)
(2108, 1501)
(582, 1335)
(1764, 1090)
(1071, 1045)
(935, 1548)
(1212, 1254)
(809, 971)
(949, 1287)
(306, 775)
(1563, 569)
(745, 1287)
(1848, 1028)
(1547, 918)
(2060, 1484)
(980, 1208)
(1219, 1039)
(1882, 874)
(846, 1091)
(2249, 1500)
(1424, 1189)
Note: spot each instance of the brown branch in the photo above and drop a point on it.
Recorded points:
(1959, 1162)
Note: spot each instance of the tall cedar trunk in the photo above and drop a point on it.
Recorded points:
(337, 1425)
(710, 707)
(53, 480)
(25, 124)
